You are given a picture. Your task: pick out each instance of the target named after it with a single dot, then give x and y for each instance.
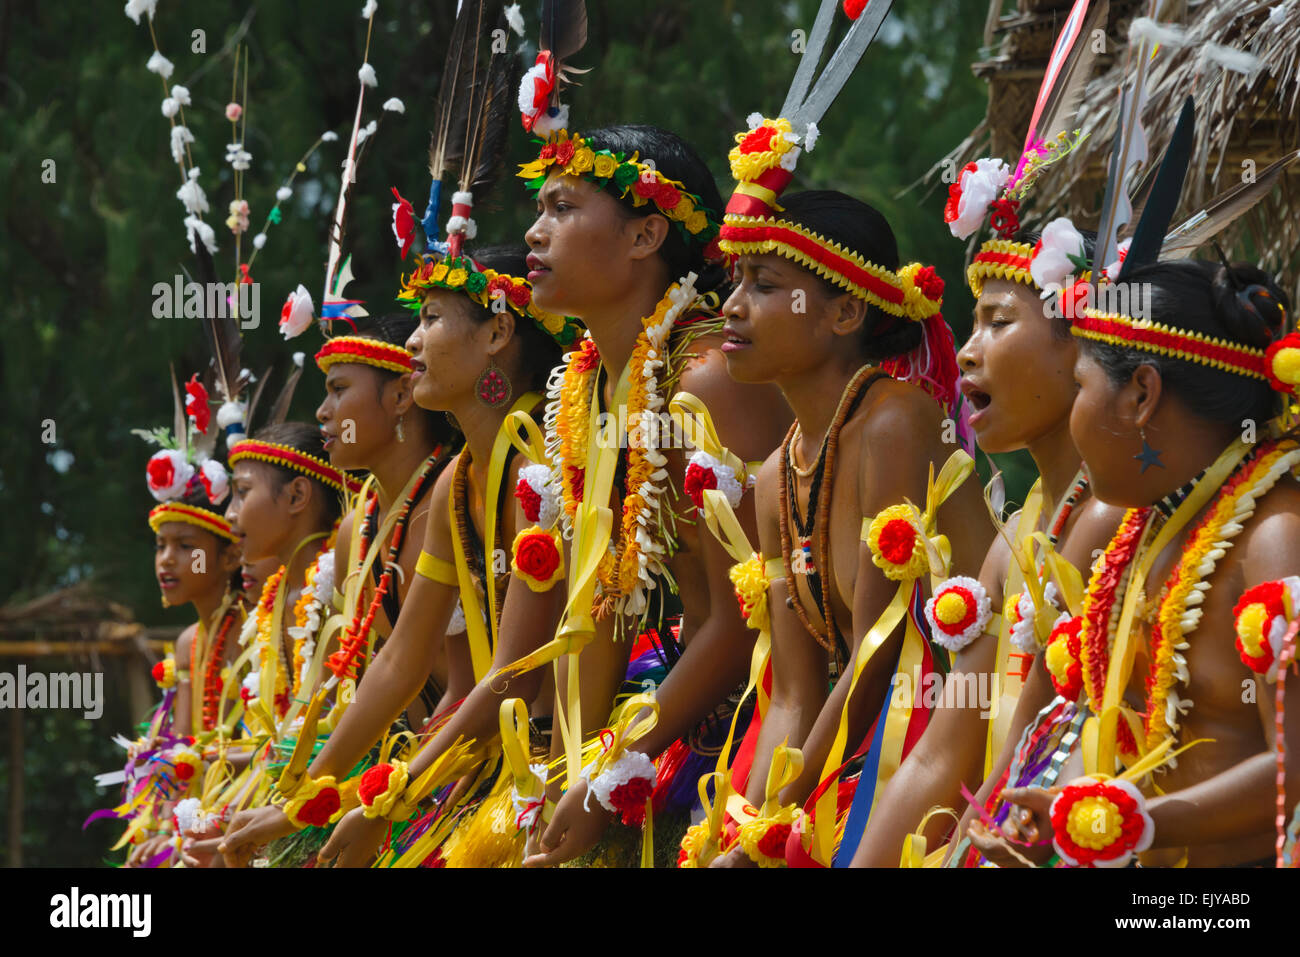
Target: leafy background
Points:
(80, 256)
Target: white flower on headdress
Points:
(259, 240)
(168, 474)
(136, 7)
(253, 680)
(515, 19)
(369, 9)
(180, 136)
(810, 138)
(215, 480)
(394, 105)
(329, 136)
(367, 75)
(973, 192)
(296, 315)
(232, 414)
(197, 229)
(365, 133)
(462, 224)
(1051, 265)
(191, 194)
(160, 64)
(1112, 271)
(283, 193)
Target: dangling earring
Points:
(1148, 456)
(493, 386)
(165, 602)
(401, 436)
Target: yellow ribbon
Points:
(697, 426)
(513, 719)
(914, 845)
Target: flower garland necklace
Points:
(213, 657)
(643, 543)
(317, 589)
(1233, 506)
(343, 662)
(262, 628)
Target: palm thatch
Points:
(1244, 121)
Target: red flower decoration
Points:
(1004, 217)
(1131, 828)
(403, 222)
(537, 556)
(520, 295)
(245, 695)
(1281, 375)
(543, 87)
(196, 404)
(698, 481)
(646, 187)
(564, 153)
(245, 278)
(1067, 675)
(499, 285)
(318, 811)
(897, 540)
(161, 472)
(587, 359)
(529, 500)
(669, 197)
(578, 479)
(548, 151)
(629, 798)
(1076, 299)
(374, 782)
(929, 282)
(159, 671)
(184, 771)
(853, 8)
(773, 841)
(758, 140)
(950, 209)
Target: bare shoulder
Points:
(750, 419)
(343, 540)
(1269, 547)
(898, 411)
(184, 641)
(1090, 533)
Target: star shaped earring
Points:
(1148, 456)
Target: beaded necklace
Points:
(479, 560)
(213, 657)
(343, 662)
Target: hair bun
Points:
(1251, 307)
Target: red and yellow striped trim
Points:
(160, 515)
(291, 458)
(1125, 331)
(371, 352)
(757, 236)
(1000, 259)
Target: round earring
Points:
(493, 386)
(401, 435)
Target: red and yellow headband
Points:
(201, 518)
(290, 458)
(762, 162)
(1000, 259)
(1120, 330)
(371, 352)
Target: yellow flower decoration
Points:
(384, 802)
(1094, 822)
(603, 165)
(440, 272)
(750, 581)
(316, 802)
(896, 546)
(750, 165)
(457, 277)
(696, 222)
(693, 842)
(583, 160)
(538, 558)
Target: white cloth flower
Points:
(216, 482)
(365, 133)
(549, 122)
(1051, 265)
(191, 194)
(632, 765)
(237, 156)
(538, 478)
(180, 136)
(515, 19)
(168, 474)
(181, 95)
(296, 315)
(324, 581)
(189, 814)
(170, 107)
(253, 680)
(528, 810)
(810, 138)
(977, 188)
(724, 476)
(394, 105)
(367, 75)
(457, 624)
(958, 612)
(161, 65)
(196, 230)
(136, 7)
(1023, 634)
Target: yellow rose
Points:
(457, 278)
(696, 222)
(684, 209)
(439, 272)
(582, 161)
(604, 165)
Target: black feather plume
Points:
(1168, 187)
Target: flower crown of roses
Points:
(763, 163)
(484, 286)
(623, 175)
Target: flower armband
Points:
(1262, 618)
(538, 558)
(704, 472)
(381, 791)
(164, 673)
(624, 786)
(316, 803)
(186, 764)
(532, 809)
(958, 612)
(1100, 823)
(1024, 634)
(749, 578)
(764, 838)
(538, 495)
(896, 544)
(1063, 658)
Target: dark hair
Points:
(305, 439)
(540, 352)
(678, 160)
(864, 230)
(1030, 237)
(395, 328)
(196, 496)
(1240, 303)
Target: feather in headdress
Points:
(1165, 191)
(1203, 225)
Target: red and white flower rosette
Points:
(297, 313)
(1052, 266)
(168, 475)
(624, 786)
(1064, 666)
(1282, 364)
(215, 479)
(537, 495)
(978, 185)
(538, 558)
(704, 472)
(381, 788)
(958, 612)
(528, 808)
(1100, 823)
(316, 803)
(1023, 634)
(1262, 618)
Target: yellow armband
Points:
(436, 569)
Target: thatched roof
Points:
(1239, 117)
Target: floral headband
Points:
(190, 515)
(621, 175)
(484, 286)
(287, 457)
(371, 352)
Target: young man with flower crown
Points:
(1177, 752)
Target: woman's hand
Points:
(573, 831)
(736, 857)
(355, 841)
(248, 831)
(148, 849)
(1025, 839)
